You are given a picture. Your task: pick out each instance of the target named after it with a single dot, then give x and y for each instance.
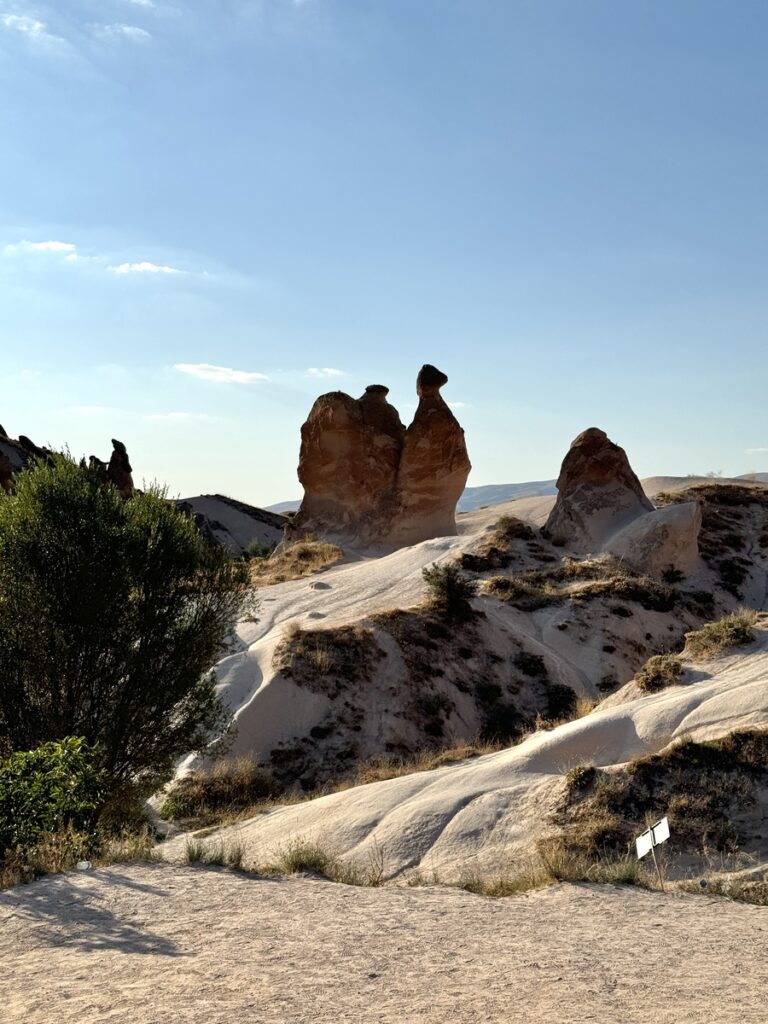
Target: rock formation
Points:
(119, 470)
(6, 473)
(598, 494)
(434, 466)
(665, 537)
(368, 480)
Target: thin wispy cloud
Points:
(144, 267)
(755, 451)
(118, 30)
(220, 374)
(26, 26)
(324, 372)
(49, 246)
(459, 405)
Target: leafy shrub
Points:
(257, 550)
(112, 613)
(58, 785)
(659, 672)
(450, 590)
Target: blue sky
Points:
(212, 211)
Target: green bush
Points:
(450, 591)
(58, 785)
(112, 613)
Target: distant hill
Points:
(496, 494)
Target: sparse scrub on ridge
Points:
(702, 788)
(328, 660)
(497, 550)
(580, 777)
(729, 512)
(225, 790)
(659, 672)
(735, 630)
(450, 591)
(293, 560)
(581, 581)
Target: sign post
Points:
(649, 840)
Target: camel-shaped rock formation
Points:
(369, 481)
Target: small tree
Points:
(450, 590)
(112, 614)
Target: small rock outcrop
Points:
(667, 537)
(598, 494)
(368, 480)
(119, 470)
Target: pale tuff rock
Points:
(598, 494)
(663, 538)
(368, 480)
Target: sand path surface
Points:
(149, 943)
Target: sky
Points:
(212, 211)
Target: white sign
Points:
(658, 833)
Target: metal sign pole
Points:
(656, 863)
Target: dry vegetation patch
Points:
(704, 788)
(294, 560)
(224, 791)
(659, 672)
(730, 513)
(582, 581)
(734, 630)
(328, 660)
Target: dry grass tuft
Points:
(731, 631)
(659, 672)
(61, 851)
(292, 561)
(221, 793)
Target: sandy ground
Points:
(147, 943)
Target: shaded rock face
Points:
(368, 480)
(6, 473)
(119, 470)
(598, 494)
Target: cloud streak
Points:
(219, 374)
(144, 267)
(324, 372)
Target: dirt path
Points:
(151, 943)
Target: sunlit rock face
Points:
(667, 537)
(369, 481)
(434, 466)
(598, 494)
